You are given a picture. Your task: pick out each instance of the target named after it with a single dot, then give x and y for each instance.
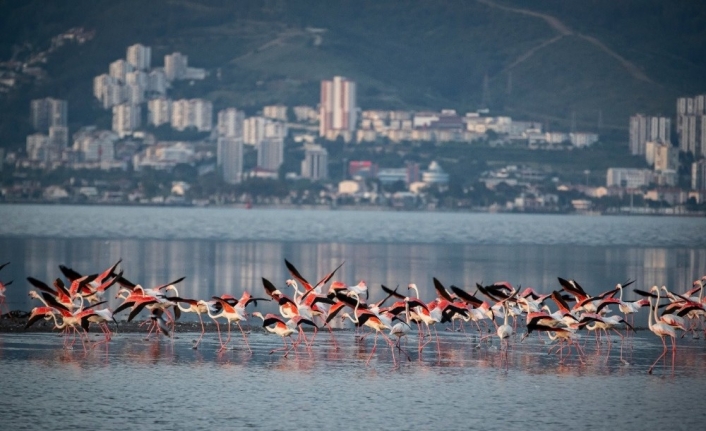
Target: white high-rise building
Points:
(254, 130)
(230, 158)
(119, 70)
(305, 113)
(275, 112)
(270, 153)
(337, 107)
(180, 114)
(126, 119)
(137, 77)
(48, 112)
(692, 134)
(229, 154)
(159, 111)
(134, 94)
(100, 82)
(662, 156)
(276, 129)
(691, 105)
(197, 113)
(230, 123)
(95, 145)
(139, 56)
(691, 124)
(38, 148)
(157, 82)
(628, 177)
(698, 175)
(644, 129)
(175, 66)
(59, 137)
(113, 94)
(202, 114)
(315, 163)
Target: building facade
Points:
(159, 111)
(315, 163)
(230, 159)
(196, 113)
(645, 128)
(270, 153)
(231, 123)
(698, 175)
(175, 66)
(95, 145)
(139, 56)
(338, 108)
(275, 112)
(628, 177)
(48, 112)
(126, 119)
(662, 156)
(119, 70)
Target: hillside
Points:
(551, 61)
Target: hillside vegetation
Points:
(549, 60)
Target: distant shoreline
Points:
(479, 210)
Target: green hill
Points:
(551, 60)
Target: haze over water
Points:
(167, 386)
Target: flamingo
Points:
(504, 332)
(60, 293)
(101, 318)
(568, 336)
(44, 312)
(365, 317)
(661, 330)
(429, 316)
(91, 287)
(138, 299)
(194, 306)
(276, 325)
(674, 320)
(307, 286)
(402, 329)
(231, 314)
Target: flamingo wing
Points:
(270, 288)
(441, 290)
(467, 297)
(41, 286)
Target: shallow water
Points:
(157, 385)
(163, 385)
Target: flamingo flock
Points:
(490, 311)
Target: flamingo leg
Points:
(659, 357)
(203, 330)
(286, 348)
(401, 350)
(438, 345)
(674, 352)
(333, 339)
(375, 344)
(225, 345)
(218, 328)
(245, 337)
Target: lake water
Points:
(167, 385)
